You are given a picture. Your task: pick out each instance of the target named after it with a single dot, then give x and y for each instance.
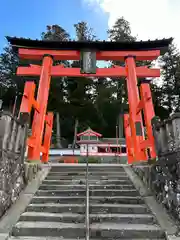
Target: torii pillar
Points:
(135, 119)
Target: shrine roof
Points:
(94, 45)
(89, 132)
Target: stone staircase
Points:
(57, 211)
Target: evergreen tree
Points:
(55, 33)
(170, 65)
(84, 32)
(120, 32)
(11, 85)
(57, 95)
(78, 88)
(57, 89)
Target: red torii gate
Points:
(49, 51)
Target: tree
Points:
(10, 84)
(157, 97)
(105, 105)
(120, 32)
(69, 96)
(78, 88)
(57, 95)
(84, 32)
(55, 33)
(170, 65)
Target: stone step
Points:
(79, 168)
(97, 230)
(90, 174)
(94, 208)
(104, 192)
(53, 217)
(71, 173)
(49, 229)
(59, 177)
(92, 181)
(112, 230)
(80, 187)
(83, 179)
(57, 210)
(81, 199)
(59, 238)
(93, 218)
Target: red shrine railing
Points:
(137, 145)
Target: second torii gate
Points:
(88, 53)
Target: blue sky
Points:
(28, 18)
(149, 19)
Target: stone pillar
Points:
(156, 124)
(20, 139)
(176, 129)
(5, 130)
(121, 128)
(58, 131)
(13, 135)
(170, 135)
(1, 103)
(163, 138)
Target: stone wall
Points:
(162, 176)
(13, 173)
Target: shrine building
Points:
(93, 144)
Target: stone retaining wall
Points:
(163, 176)
(163, 184)
(14, 173)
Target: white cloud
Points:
(149, 19)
